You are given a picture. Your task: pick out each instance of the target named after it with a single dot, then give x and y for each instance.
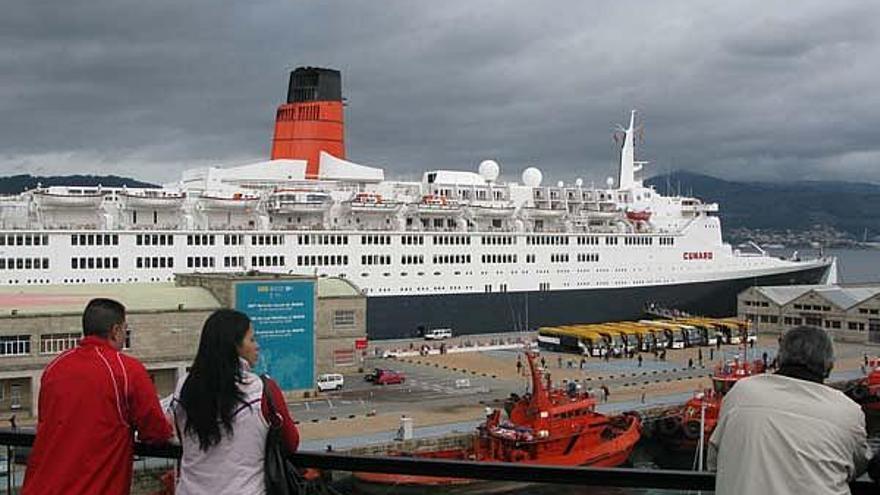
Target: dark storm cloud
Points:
(765, 90)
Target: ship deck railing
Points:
(13, 441)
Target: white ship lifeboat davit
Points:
(366, 202)
(152, 200)
(286, 201)
(68, 198)
(232, 202)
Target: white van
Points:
(438, 334)
(330, 381)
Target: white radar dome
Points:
(610, 182)
(579, 182)
(489, 170)
(560, 184)
(532, 177)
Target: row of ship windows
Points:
(24, 240)
(91, 263)
(24, 263)
(412, 259)
(503, 240)
(325, 260)
(446, 259)
(94, 240)
(155, 240)
(154, 262)
(324, 239)
(638, 241)
(376, 259)
(498, 258)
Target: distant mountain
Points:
(18, 183)
(796, 205)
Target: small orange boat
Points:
(549, 426)
(680, 430)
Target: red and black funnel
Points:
(312, 119)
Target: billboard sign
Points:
(283, 315)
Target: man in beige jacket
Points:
(788, 432)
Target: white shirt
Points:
(783, 435)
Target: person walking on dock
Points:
(519, 366)
(700, 356)
(787, 432)
(712, 352)
(640, 360)
(605, 393)
(690, 363)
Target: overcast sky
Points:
(744, 89)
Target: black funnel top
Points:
(314, 84)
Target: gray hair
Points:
(806, 346)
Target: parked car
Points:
(385, 377)
(438, 334)
(330, 381)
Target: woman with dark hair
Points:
(221, 415)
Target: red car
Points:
(385, 377)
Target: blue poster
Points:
(283, 316)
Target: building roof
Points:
(57, 299)
(336, 287)
(844, 297)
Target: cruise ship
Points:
(460, 249)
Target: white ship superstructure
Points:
(457, 248)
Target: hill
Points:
(796, 205)
(18, 183)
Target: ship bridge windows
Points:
(92, 263)
(412, 240)
(261, 261)
(154, 262)
(266, 240)
(375, 240)
(412, 259)
(559, 258)
(154, 240)
(94, 240)
(24, 263)
(322, 260)
(200, 240)
(499, 240)
(588, 257)
(611, 240)
(667, 241)
(233, 239)
(200, 262)
(588, 240)
(547, 240)
(233, 261)
(376, 259)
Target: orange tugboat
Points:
(549, 426)
(680, 430)
(867, 391)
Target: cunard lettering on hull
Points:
(527, 251)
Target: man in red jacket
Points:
(93, 399)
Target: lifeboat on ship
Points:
(151, 199)
(542, 213)
(548, 426)
(64, 197)
(437, 205)
(680, 429)
(866, 392)
(491, 210)
(372, 203)
(287, 201)
(237, 201)
(638, 215)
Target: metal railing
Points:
(494, 471)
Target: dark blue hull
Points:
(406, 316)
